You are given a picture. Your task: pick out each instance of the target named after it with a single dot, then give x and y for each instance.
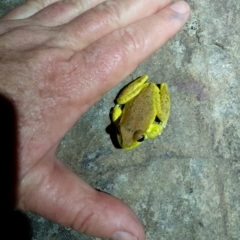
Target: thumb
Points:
(54, 192)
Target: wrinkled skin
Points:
(57, 58)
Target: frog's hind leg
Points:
(132, 90)
(163, 104)
(154, 130)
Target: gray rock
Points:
(184, 184)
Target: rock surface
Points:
(184, 184)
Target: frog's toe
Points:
(154, 130)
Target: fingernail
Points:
(123, 236)
(180, 7)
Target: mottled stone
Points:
(6, 5)
(184, 184)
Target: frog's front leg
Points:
(154, 130)
(116, 113)
(163, 104)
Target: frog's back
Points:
(140, 112)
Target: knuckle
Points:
(132, 39)
(77, 4)
(111, 9)
(85, 221)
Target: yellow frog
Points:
(141, 112)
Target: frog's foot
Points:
(163, 104)
(116, 113)
(132, 90)
(154, 130)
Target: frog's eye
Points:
(138, 136)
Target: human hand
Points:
(57, 58)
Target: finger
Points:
(115, 56)
(56, 193)
(103, 19)
(63, 11)
(27, 9)
(52, 15)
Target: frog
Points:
(141, 112)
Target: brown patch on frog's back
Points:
(140, 110)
